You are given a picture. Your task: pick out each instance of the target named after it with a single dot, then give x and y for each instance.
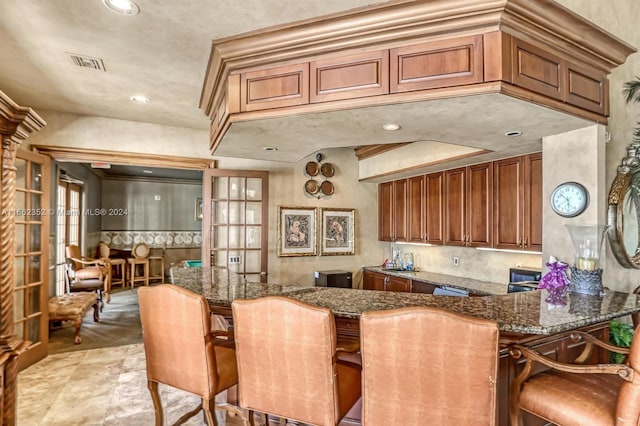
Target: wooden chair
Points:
(115, 265)
(287, 364)
(83, 274)
(160, 260)
(140, 253)
(578, 394)
(181, 352)
(427, 366)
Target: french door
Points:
(68, 207)
(31, 290)
(235, 222)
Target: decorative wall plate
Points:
(311, 168)
(327, 170)
(311, 186)
(327, 188)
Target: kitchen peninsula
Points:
(524, 317)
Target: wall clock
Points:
(569, 199)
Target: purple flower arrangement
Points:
(555, 282)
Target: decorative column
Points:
(16, 124)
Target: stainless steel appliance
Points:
(521, 279)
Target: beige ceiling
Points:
(163, 52)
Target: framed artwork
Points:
(297, 231)
(198, 208)
(338, 232)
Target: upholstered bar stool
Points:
(287, 364)
(140, 253)
(578, 394)
(115, 265)
(182, 352)
(427, 366)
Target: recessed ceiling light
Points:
(122, 7)
(139, 99)
(269, 148)
(391, 126)
(149, 172)
(513, 133)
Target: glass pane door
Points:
(31, 255)
(235, 227)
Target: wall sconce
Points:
(315, 188)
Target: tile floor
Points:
(106, 386)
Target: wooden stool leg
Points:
(96, 312)
(146, 274)
(77, 323)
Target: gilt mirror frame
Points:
(628, 172)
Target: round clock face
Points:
(569, 199)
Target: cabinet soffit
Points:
(543, 24)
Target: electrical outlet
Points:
(234, 260)
(456, 261)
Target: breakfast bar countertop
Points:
(524, 312)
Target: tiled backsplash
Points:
(125, 240)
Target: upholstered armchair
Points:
(84, 274)
(578, 394)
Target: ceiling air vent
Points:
(87, 62)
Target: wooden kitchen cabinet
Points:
(383, 282)
(424, 208)
(422, 287)
(441, 63)
(373, 281)
(468, 206)
(398, 284)
(274, 87)
(517, 206)
(416, 209)
(433, 207)
(392, 211)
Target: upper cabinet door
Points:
(400, 210)
(480, 205)
(434, 64)
(433, 207)
(348, 77)
(274, 87)
(455, 199)
(416, 209)
(533, 202)
(385, 211)
(508, 209)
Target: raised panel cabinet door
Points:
(480, 205)
(537, 69)
(533, 202)
(434, 64)
(385, 211)
(433, 207)
(373, 281)
(588, 89)
(400, 210)
(455, 199)
(422, 287)
(398, 284)
(348, 77)
(508, 200)
(274, 87)
(415, 209)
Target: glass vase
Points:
(586, 274)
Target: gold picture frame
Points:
(297, 231)
(337, 232)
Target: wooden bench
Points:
(72, 307)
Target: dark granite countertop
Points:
(474, 286)
(525, 312)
